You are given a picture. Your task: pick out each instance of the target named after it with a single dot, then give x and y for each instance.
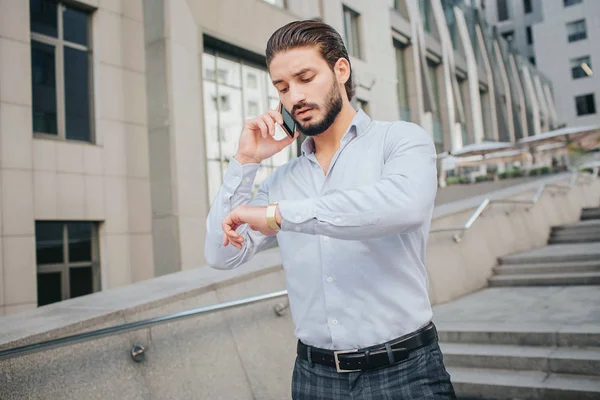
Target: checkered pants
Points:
(421, 376)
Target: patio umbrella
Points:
(481, 149)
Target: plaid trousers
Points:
(421, 376)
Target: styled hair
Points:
(309, 33)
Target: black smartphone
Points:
(289, 125)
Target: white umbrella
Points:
(481, 149)
(569, 134)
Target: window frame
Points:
(593, 104)
(573, 38)
(59, 44)
(527, 6)
(529, 35)
(589, 64)
(505, 8)
(352, 19)
(65, 267)
(569, 3)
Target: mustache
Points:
(303, 105)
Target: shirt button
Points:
(326, 239)
(329, 279)
(298, 218)
(337, 220)
(298, 229)
(246, 180)
(334, 321)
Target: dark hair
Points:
(311, 33)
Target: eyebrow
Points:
(301, 72)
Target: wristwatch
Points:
(271, 209)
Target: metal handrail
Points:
(137, 351)
(457, 237)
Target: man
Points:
(351, 216)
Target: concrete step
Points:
(590, 213)
(563, 360)
(555, 253)
(486, 383)
(574, 239)
(561, 279)
(522, 334)
(548, 268)
(571, 234)
(581, 226)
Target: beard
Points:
(332, 108)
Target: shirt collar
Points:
(358, 126)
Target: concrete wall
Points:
(106, 181)
(247, 352)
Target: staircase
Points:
(538, 358)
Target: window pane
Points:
(527, 6)
(79, 235)
(585, 104)
(210, 120)
(77, 107)
(75, 26)
(80, 281)
(208, 66)
(228, 71)
(255, 90)
(502, 10)
(576, 30)
(581, 67)
(402, 86)
(49, 288)
(43, 85)
(43, 17)
(49, 242)
(230, 119)
(571, 2)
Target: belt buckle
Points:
(337, 360)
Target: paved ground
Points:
(459, 192)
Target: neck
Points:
(328, 142)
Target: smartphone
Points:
(289, 125)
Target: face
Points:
(308, 88)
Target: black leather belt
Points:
(370, 357)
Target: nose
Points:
(296, 95)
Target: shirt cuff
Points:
(239, 176)
(298, 215)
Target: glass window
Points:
(67, 260)
(401, 86)
(502, 10)
(237, 91)
(43, 86)
(568, 3)
(585, 104)
(77, 93)
(581, 67)
(529, 34)
(75, 25)
(64, 33)
(532, 60)
(49, 288)
(508, 36)
(425, 9)
(49, 242)
(43, 17)
(437, 124)
(527, 6)
(352, 32)
(576, 30)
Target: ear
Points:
(342, 70)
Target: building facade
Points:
(557, 35)
(118, 118)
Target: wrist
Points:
(245, 160)
(278, 216)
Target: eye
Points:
(306, 80)
(284, 90)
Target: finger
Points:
(276, 116)
(264, 130)
(225, 240)
(270, 123)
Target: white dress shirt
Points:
(352, 241)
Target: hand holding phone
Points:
(257, 140)
(289, 125)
